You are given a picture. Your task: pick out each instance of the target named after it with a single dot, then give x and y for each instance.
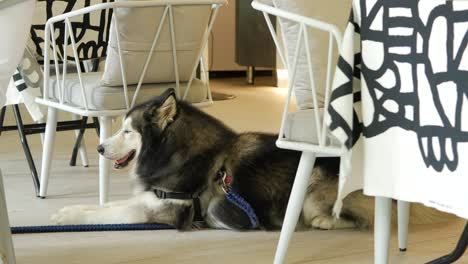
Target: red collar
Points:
(226, 181)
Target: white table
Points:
(399, 103)
(7, 254)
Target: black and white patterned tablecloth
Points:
(91, 32)
(400, 102)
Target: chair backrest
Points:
(135, 30)
(139, 32)
(302, 43)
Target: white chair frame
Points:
(324, 148)
(106, 116)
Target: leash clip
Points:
(236, 199)
(226, 182)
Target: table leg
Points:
(7, 254)
(403, 221)
(2, 118)
(383, 215)
(26, 149)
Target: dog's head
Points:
(154, 116)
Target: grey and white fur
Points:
(172, 146)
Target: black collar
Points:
(175, 195)
(195, 197)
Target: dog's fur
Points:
(172, 146)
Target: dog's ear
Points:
(168, 110)
(164, 111)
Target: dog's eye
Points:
(127, 131)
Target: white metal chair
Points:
(315, 140)
(76, 93)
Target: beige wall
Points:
(223, 40)
(223, 37)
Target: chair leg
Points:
(96, 125)
(2, 118)
(383, 215)
(79, 144)
(26, 149)
(7, 253)
(41, 121)
(47, 150)
(104, 164)
(403, 221)
(295, 204)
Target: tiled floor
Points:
(255, 108)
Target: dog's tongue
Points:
(122, 160)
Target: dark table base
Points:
(30, 129)
(457, 252)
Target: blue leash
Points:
(238, 201)
(232, 196)
(87, 228)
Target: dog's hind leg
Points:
(328, 222)
(317, 208)
(224, 215)
(317, 214)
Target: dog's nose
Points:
(100, 149)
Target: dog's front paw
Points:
(71, 215)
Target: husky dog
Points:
(172, 147)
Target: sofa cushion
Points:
(318, 41)
(300, 126)
(112, 98)
(137, 28)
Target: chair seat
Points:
(112, 97)
(300, 127)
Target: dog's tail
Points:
(420, 214)
(363, 207)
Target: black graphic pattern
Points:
(91, 38)
(346, 89)
(412, 88)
